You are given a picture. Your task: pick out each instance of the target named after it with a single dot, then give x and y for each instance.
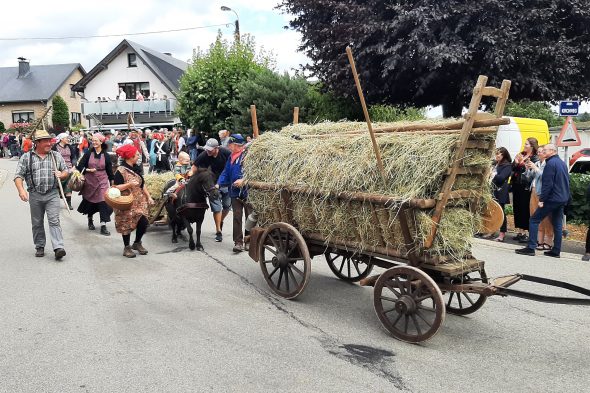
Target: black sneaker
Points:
(518, 236)
(525, 251)
(523, 239)
(104, 231)
(586, 257)
(39, 252)
(218, 237)
(91, 226)
(59, 254)
(551, 254)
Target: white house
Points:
(132, 68)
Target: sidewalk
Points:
(567, 246)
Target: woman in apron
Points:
(98, 172)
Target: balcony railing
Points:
(148, 107)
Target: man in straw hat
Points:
(38, 169)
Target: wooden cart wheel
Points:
(349, 267)
(284, 260)
(460, 303)
(409, 304)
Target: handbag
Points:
(76, 182)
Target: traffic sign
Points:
(568, 108)
(569, 134)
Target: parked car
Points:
(578, 154)
(582, 165)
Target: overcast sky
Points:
(60, 18)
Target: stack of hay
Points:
(415, 165)
(155, 183)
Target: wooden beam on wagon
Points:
(296, 115)
(366, 112)
(346, 195)
(380, 132)
(255, 131)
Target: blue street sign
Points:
(568, 108)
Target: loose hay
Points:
(155, 183)
(414, 165)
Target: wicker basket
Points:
(123, 202)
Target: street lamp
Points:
(237, 32)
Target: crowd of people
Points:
(539, 182)
(50, 157)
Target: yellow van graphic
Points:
(512, 136)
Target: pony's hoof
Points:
(174, 240)
(200, 247)
(191, 245)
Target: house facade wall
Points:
(106, 83)
(7, 109)
(74, 103)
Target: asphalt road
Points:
(186, 321)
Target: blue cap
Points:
(237, 139)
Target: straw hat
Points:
(39, 135)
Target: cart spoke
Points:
(392, 289)
(274, 242)
(280, 279)
(273, 272)
(270, 250)
(415, 321)
(406, 323)
(297, 270)
(469, 299)
(341, 266)
(418, 313)
(296, 259)
(431, 309)
(292, 276)
(267, 261)
(399, 285)
(459, 299)
(348, 263)
(388, 311)
(450, 299)
(287, 280)
(389, 299)
(399, 316)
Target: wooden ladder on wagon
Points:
(479, 91)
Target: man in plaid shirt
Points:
(37, 168)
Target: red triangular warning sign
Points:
(569, 134)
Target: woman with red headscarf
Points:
(98, 172)
(129, 181)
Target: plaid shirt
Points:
(42, 179)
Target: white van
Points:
(513, 136)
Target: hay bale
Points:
(415, 167)
(155, 183)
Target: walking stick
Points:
(61, 190)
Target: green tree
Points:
(325, 105)
(275, 96)
(2, 128)
(61, 114)
(209, 85)
(430, 52)
(390, 113)
(534, 110)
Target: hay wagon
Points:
(419, 285)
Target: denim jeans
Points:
(555, 210)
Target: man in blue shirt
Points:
(555, 194)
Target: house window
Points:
(23, 117)
(132, 88)
(76, 118)
(132, 59)
(72, 92)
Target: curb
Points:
(508, 247)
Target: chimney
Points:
(24, 68)
(168, 53)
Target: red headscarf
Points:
(126, 151)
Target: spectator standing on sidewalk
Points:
(521, 188)
(500, 175)
(39, 170)
(555, 194)
(232, 177)
(535, 172)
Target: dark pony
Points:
(190, 206)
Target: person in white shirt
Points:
(122, 95)
(153, 96)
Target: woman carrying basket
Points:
(98, 174)
(129, 181)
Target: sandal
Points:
(540, 246)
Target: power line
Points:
(111, 35)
